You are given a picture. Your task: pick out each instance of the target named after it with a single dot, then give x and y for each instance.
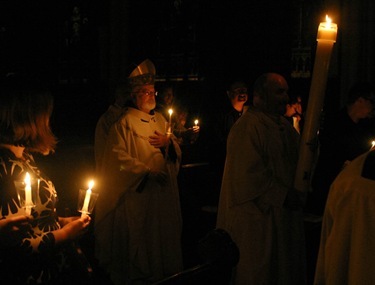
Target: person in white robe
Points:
(107, 119)
(258, 205)
(347, 246)
(138, 217)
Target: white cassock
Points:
(138, 221)
(259, 171)
(347, 246)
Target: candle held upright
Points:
(169, 131)
(28, 195)
(86, 202)
(327, 33)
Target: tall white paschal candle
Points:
(86, 202)
(28, 196)
(327, 33)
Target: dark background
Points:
(83, 47)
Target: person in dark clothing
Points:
(223, 120)
(344, 136)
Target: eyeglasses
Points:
(239, 91)
(147, 93)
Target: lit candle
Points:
(372, 145)
(28, 197)
(326, 37)
(170, 111)
(85, 208)
(196, 123)
(327, 31)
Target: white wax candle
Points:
(170, 111)
(326, 38)
(28, 197)
(327, 31)
(86, 202)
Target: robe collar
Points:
(143, 117)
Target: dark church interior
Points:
(83, 47)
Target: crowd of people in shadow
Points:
(246, 223)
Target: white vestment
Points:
(259, 171)
(347, 246)
(138, 221)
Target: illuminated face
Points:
(238, 93)
(144, 98)
(294, 108)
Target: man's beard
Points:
(149, 106)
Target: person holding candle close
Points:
(178, 118)
(138, 218)
(258, 205)
(33, 249)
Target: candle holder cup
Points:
(91, 203)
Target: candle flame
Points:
(27, 178)
(91, 184)
(372, 144)
(196, 122)
(170, 111)
(328, 22)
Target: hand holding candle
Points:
(196, 127)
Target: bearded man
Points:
(138, 218)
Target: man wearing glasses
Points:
(138, 219)
(223, 120)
